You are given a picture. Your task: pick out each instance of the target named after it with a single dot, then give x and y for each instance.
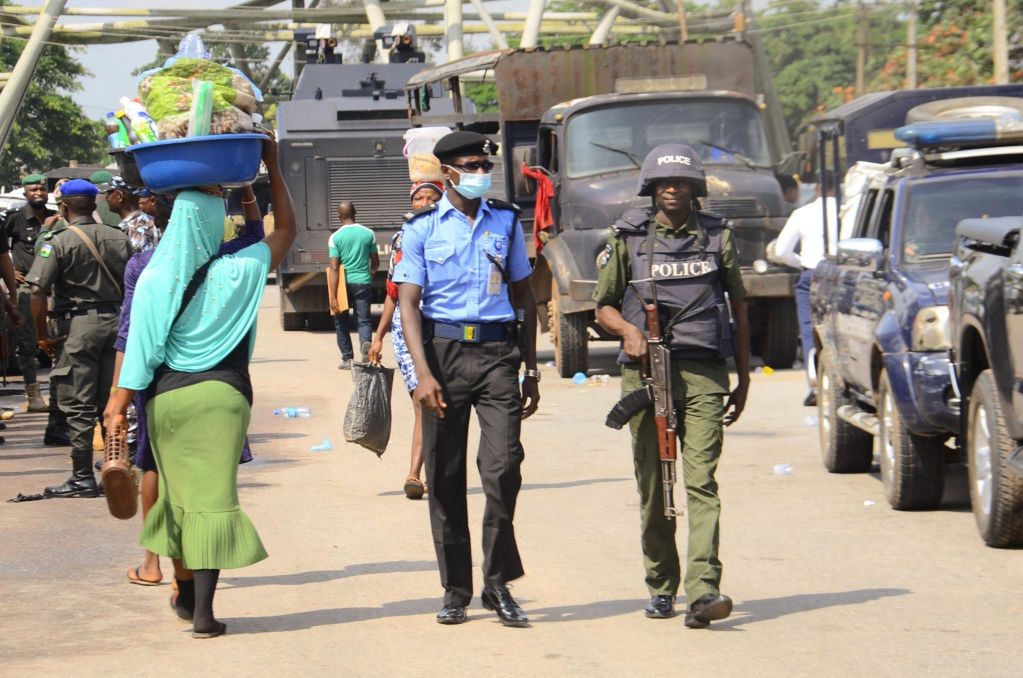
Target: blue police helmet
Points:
(672, 161)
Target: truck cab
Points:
(880, 315)
(585, 117)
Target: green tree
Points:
(812, 49)
(50, 128)
(954, 45)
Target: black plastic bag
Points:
(368, 418)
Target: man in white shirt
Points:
(805, 229)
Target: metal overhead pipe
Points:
(376, 18)
(633, 9)
(495, 34)
(607, 22)
(14, 91)
(531, 32)
(453, 29)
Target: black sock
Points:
(186, 597)
(205, 588)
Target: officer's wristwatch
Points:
(535, 374)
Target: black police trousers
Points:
(485, 377)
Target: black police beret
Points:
(460, 144)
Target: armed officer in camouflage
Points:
(686, 260)
(83, 264)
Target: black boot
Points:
(82, 482)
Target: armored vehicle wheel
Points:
(569, 334)
(293, 322)
(996, 495)
(844, 448)
(781, 335)
(912, 466)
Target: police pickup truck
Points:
(986, 327)
(880, 313)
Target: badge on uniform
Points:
(604, 257)
(45, 250)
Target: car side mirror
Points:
(863, 254)
(523, 155)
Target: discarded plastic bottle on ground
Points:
(599, 379)
(294, 412)
(783, 469)
(579, 378)
(325, 446)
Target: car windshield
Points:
(617, 138)
(935, 207)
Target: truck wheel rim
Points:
(887, 444)
(983, 479)
(824, 398)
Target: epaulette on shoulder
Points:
(48, 235)
(409, 216)
(714, 220)
(633, 222)
(504, 205)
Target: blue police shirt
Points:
(447, 256)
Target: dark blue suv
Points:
(880, 316)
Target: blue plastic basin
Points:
(217, 159)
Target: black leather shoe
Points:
(56, 439)
(708, 608)
(499, 599)
(76, 486)
(661, 607)
(452, 614)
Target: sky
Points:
(111, 65)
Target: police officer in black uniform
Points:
(21, 232)
(685, 261)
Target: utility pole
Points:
(861, 50)
(911, 47)
(298, 55)
(531, 30)
(453, 29)
(14, 91)
(1001, 44)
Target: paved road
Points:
(827, 580)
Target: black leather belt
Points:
(470, 333)
(74, 313)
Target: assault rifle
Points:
(656, 390)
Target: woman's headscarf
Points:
(223, 311)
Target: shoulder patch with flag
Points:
(604, 257)
(45, 250)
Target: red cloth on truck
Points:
(543, 217)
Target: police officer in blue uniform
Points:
(686, 257)
(465, 259)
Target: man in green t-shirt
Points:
(354, 247)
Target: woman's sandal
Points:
(414, 488)
(137, 578)
(219, 629)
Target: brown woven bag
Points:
(118, 478)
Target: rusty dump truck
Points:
(586, 117)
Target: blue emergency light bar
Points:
(961, 132)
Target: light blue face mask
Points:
(472, 185)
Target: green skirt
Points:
(196, 433)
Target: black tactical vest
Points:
(689, 280)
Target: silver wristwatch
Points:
(535, 374)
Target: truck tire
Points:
(996, 496)
(964, 107)
(844, 448)
(569, 334)
(912, 466)
(293, 322)
(781, 334)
